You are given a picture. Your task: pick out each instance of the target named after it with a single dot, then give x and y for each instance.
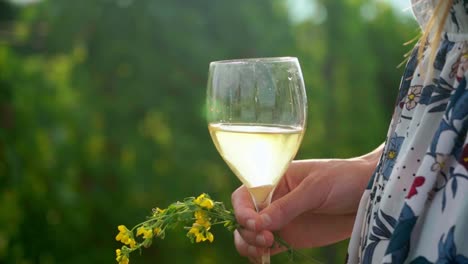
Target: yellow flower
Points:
(199, 238)
(202, 219)
(204, 201)
(207, 203)
(122, 259)
(156, 231)
(204, 223)
(200, 215)
(125, 236)
(140, 230)
(209, 236)
(200, 233)
(123, 233)
(131, 242)
(194, 230)
(147, 233)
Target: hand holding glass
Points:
(256, 118)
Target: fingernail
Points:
(260, 240)
(252, 250)
(251, 224)
(266, 220)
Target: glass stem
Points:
(260, 205)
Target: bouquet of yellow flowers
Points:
(201, 212)
(197, 215)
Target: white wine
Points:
(258, 155)
(261, 195)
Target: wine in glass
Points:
(256, 118)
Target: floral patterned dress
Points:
(415, 209)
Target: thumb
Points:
(310, 195)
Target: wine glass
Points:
(256, 118)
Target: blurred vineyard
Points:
(102, 112)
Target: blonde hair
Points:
(432, 33)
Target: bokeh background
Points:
(102, 111)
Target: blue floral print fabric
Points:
(415, 208)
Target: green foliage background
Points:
(102, 112)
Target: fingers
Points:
(244, 248)
(253, 250)
(257, 239)
(246, 215)
(244, 208)
(298, 194)
(250, 241)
